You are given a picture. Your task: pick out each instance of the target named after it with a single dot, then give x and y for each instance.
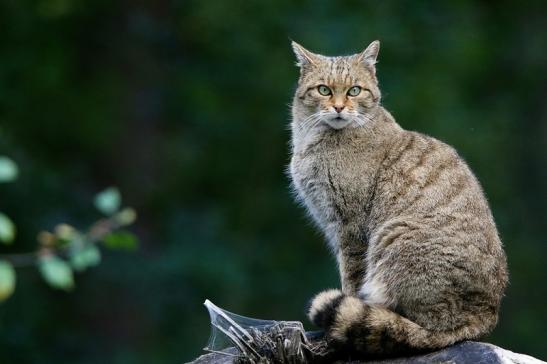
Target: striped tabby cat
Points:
(419, 256)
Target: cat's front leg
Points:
(351, 256)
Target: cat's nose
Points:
(339, 108)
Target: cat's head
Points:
(337, 92)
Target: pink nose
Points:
(338, 108)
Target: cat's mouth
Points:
(337, 122)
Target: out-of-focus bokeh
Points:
(184, 106)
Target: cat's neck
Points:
(375, 132)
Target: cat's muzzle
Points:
(338, 122)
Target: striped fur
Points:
(362, 329)
(420, 260)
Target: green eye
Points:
(324, 90)
(354, 91)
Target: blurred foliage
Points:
(65, 242)
(8, 169)
(183, 106)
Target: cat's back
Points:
(418, 162)
(430, 213)
(425, 179)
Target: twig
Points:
(94, 235)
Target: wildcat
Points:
(420, 260)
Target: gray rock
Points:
(466, 352)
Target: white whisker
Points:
(362, 119)
(311, 121)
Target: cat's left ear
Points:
(369, 55)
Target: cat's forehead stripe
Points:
(339, 71)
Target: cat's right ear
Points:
(304, 58)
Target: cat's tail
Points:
(357, 327)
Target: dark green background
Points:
(183, 105)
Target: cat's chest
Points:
(312, 172)
(333, 183)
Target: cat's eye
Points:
(354, 91)
(324, 90)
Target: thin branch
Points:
(94, 235)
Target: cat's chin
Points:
(338, 123)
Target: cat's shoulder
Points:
(419, 139)
(413, 143)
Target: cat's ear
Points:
(303, 56)
(369, 55)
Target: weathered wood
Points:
(255, 341)
(463, 353)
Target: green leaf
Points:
(108, 201)
(84, 257)
(56, 272)
(65, 232)
(7, 280)
(8, 169)
(122, 240)
(7, 229)
(126, 217)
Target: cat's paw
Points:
(322, 309)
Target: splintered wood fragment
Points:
(266, 341)
(221, 313)
(232, 338)
(222, 352)
(248, 345)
